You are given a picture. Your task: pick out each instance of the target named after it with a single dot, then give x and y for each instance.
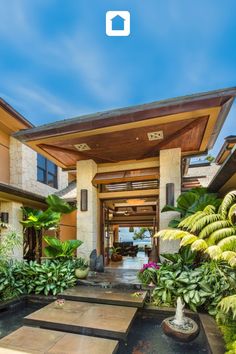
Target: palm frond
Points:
(228, 244)
(227, 202)
(199, 245)
(188, 240)
(216, 225)
(228, 305)
(218, 235)
(214, 252)
(205, 220)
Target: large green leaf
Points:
(57, 204)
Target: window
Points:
(46, 171)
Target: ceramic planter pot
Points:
(81, 273)
(116, 257)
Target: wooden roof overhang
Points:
(11, 193)
(226, 171)
(191, 123)
(230, 142)
(10, 120)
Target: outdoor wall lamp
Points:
(4, 217)
(83, 200)
(170, 194)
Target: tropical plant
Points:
(148, 274)
(60, 249)
(44, 220)
(184, 259)
(50, 277)
(143, 233)
(10, 284)
(80, 263)
(59, 205)
(200, 288)
(226, 319)
(209, 231)
(189, 202)
(11, 240)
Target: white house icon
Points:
(118, 23)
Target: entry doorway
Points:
(127, 227)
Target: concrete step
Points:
(44, 341)
(91, 319)
(110, 296)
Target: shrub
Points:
(201, 288)
(50, 277)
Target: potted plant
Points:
(115, 256)
(81, 268)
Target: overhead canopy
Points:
(191, 123)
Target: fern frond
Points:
(232, 262)
(220, 234)
(209, 209)
(228, 305)
(228, 200)
(171, 234)
(205, 220)
(188, 222)
(228, 255)
(188, 240)
(199, 245)
(232, 214)
(214, 252)
(228, 244)
(216, 225)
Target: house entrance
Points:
(127, 227)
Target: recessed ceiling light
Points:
(82, 147)
(155, 135)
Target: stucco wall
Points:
(23, 170)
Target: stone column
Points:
(87, 221)
(15, 216)
(170, 172)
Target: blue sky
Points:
(56, 61)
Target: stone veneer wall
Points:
(23, 170)
(170, 172)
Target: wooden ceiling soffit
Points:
(126, 176)
(154, 151)
(66, 156)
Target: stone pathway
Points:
(87, 318)
(105, 296)
(90, 315)
(43, 341)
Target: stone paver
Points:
(86, 318)
(42, 341)
(105, 296)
